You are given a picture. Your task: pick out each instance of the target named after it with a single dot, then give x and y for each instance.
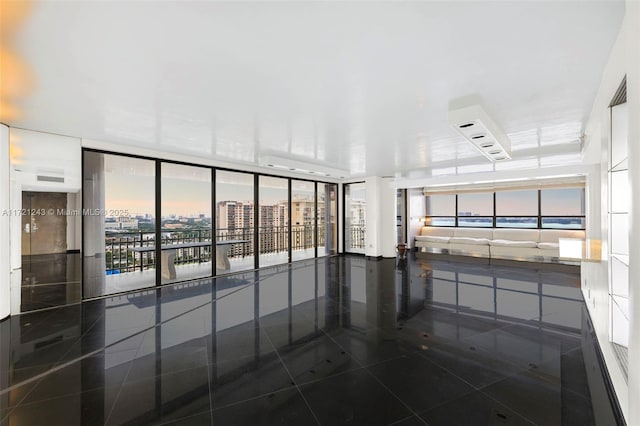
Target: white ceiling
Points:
(358, 86)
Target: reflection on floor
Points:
(341, 340)
(50, 280)
(99, 284)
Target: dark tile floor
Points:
(342, 340)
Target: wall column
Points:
(633, 103)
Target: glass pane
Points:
(563, 222)
(516, 222)
(517, 203)
(619, 234)
(441, 221)
(303, 219)
(119, 239)
(234, 222)
(441, 205)
(480, 204)
(619, 134)
(620, 192)
(327, 219)
(355, 218)
(562, 202)
(186, 222)
(619, 278)
(484, 222)
(273, 226)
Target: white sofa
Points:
(501, 243)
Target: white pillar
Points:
(633, 102)
(5, 247)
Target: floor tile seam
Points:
(553, 332)
(397, 422)
(173, 421)
(357, 361)
(330, 376)
(381, 383)
(293, 380)
(254, 398)
(448, 401)
(124, 380)
(163, 375)
(209, 385)
(51, 283)
(508, 406)
(40, 376)
(448, 371)
(376, 363)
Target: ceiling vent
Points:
(477, 127)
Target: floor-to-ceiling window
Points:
(118, 223)
(126, 249)
(234, 221)
(273, 220)
(355, 217)
(303, 219)
(186, 222)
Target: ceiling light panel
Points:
(479, 129)
(299, 166)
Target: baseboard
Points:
(75, 251)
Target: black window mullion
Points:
(256, 223)
(456, 217)
(214, 224)
(539, 208)
(315, 220)
(289, 226)
(494, 209)
(158, 227)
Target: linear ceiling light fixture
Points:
(477, 127)
(299, 166)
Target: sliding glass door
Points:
(118, 223)
(327, 214)
(355, 218)
(303, 219)
(186, 222)
(273, 220)
(234, 221)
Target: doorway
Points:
(50, 275)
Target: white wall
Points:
(5, 249)
(623, 60)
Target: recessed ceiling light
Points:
(469, 119)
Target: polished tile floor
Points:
(341, 340)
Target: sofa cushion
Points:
(553, 235)
(467, 240)
(432, 239)
(548, 246)
(516, 234)
(437, 231)
(510, 243)
(473, 233)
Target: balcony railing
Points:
(120, 258)
(355, 237)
